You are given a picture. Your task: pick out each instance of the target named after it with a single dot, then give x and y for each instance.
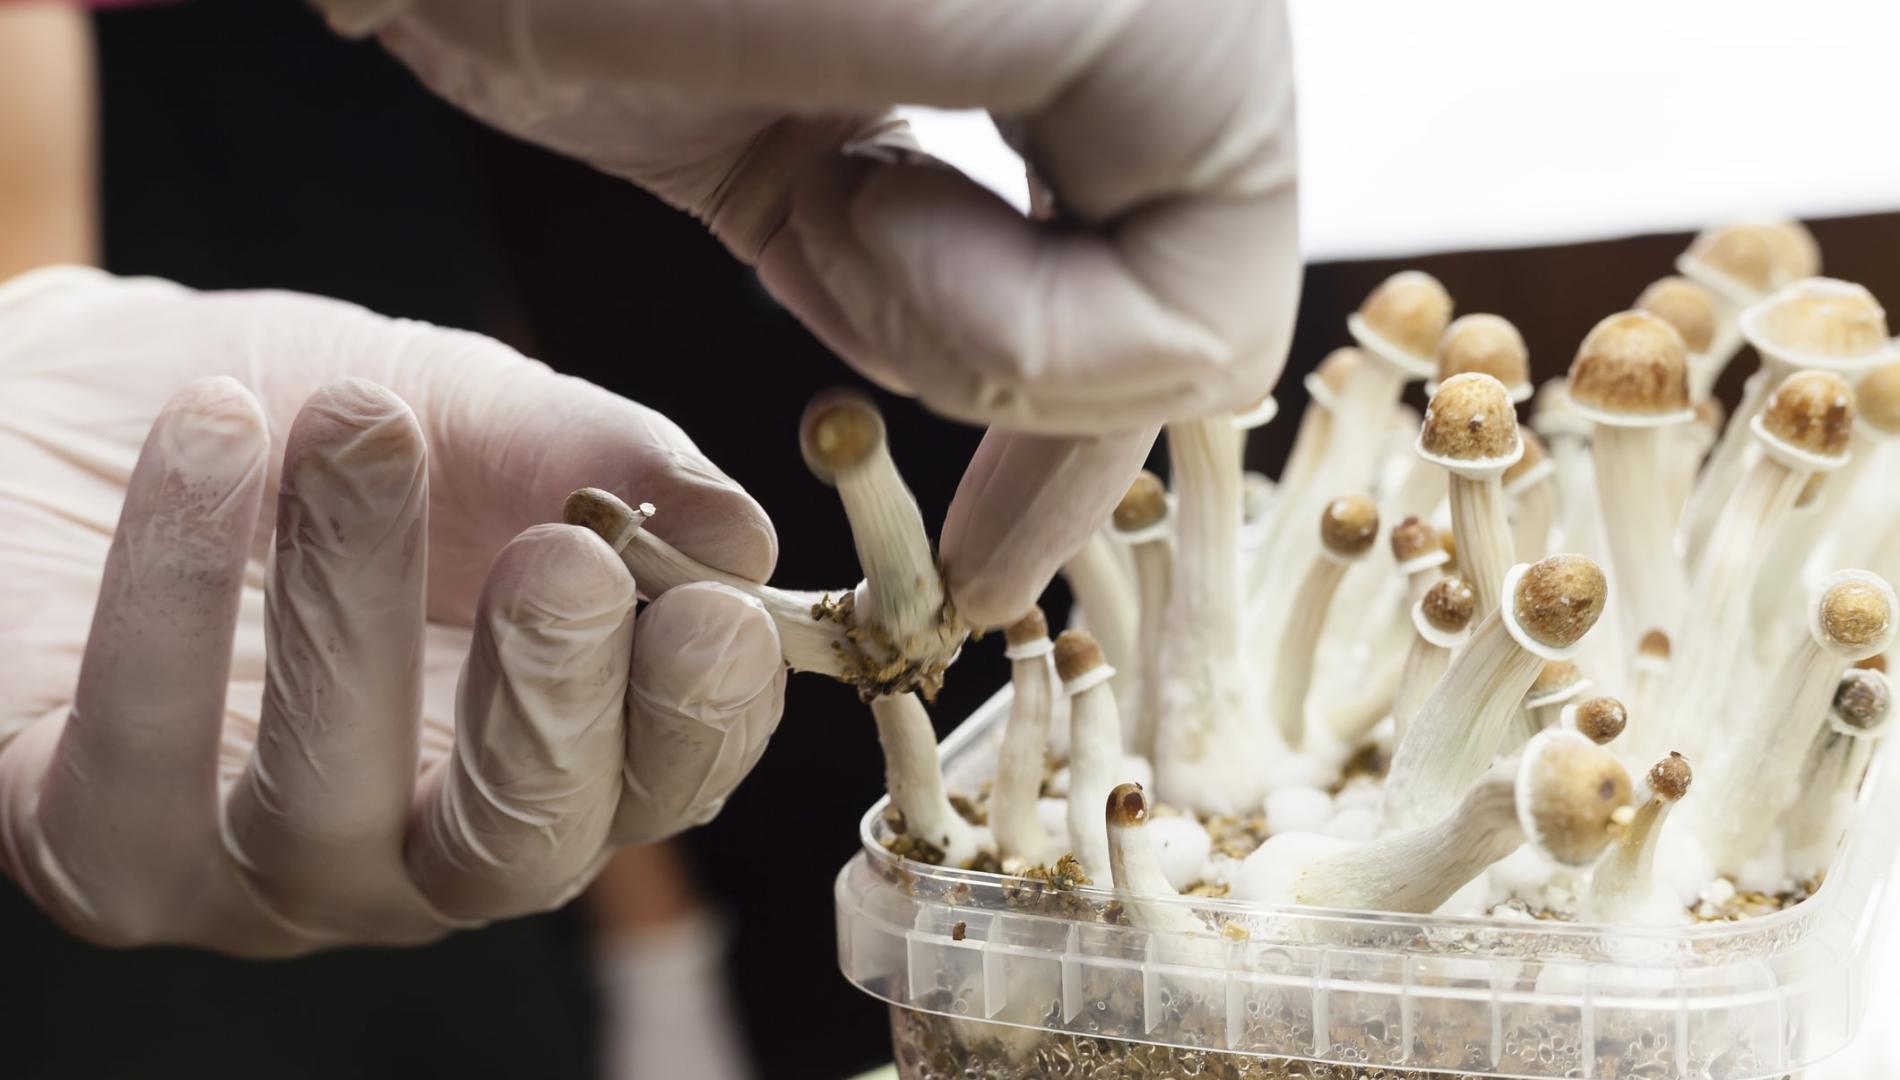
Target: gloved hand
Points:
(1164, 131)
(256, 739)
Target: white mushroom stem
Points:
(1360, 708)
(1095, 748)
(1137, 874)
(1293, 662)
(1425, 664)
(1154, 579)
(1651, 589)
(1296, 481)
(914, 778)
(1832, 773)
(1623, 888)
(1649, 680)
(811, 641)
(1533, 499)
(1685, 447)
(1101, 581)
(1727, 463)
(1778, 593)
(1757, 766)
(1021, 840)
(1483, 532)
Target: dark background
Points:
(244, 147)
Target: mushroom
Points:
(1832, 772)
(1398, 327)
(1324, 388)
(1804, 429)
(1420, 560)
(1021, 840)
(1691, 309)
(1137, 873)
(1557, 685)
(1095, 745)
(1456, 734)
(1470, 430)
(1530, 489)
(1101, 580)
(1486, 345)
(914, 778)
(1441, 622)
(1623, 888)
(1854, 615)
(1347, 528)
(1141, 523)
(1631, 379)
(1562, 795)
(1600, 719)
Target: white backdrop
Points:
(1431, 126)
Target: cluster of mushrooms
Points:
(1601, 665)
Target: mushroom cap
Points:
(1862, 699)
(601, 511)
(1127, 806)
(1876, 662)
(1670, 777)
(1470, 418)
(1654, 644)
(1487, 344)
(1601, 719)
(840, 430)
(1822, 317)
(1413, 538)
(1337, 369)
(1450, 604)
(1410, 309)
(1745, 252)
(1856, 614)
(1145, 504)
(1796, 253)
(1077, 654)
(1811, 411)
(1032, 626)
(1631, 364)
(1558, 599)
(1349, 525)
(1555, 675)
(1683, 304)
(1534, 455)
(1569, 791)
(1878, 399)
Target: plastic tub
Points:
(995, 977)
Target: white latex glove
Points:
(1164, 129)
(256, 739)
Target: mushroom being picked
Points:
(1623, 888)
(1831, 774)
(1562, 795)
(1757, 765)
(1021, 839)
(1457, 732)
(1631, 379)
(1470, 430)
(1348, 528)
(1804, 429)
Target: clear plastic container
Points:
(995, 977)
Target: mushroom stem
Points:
(1137, 872)
(1623, 888)
(1832, 772)
(1441, 621)
(1457, 731)
(914, 778)
(1421, 559)
(1534, 499)
(812, 632)
(1021, 840)
(1141, 524)
(1651, 589)
(1101, 581)
(1471, 431)
(1347, 529)
(1727, 463)
(1095, 746)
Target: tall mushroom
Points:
(1470, 431)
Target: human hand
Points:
(1165, 132)
(411, 707)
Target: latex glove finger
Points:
(1025, 505)
(707, 692)
(318, 816)
(517, 816)
(1184, 309)
(129, 804)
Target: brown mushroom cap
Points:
(1602, 719)
(1670, 777)
(839, 431)
(1413, 538)
(1746, 252)
(1349, 525)
(1336, 370)
(1876, 662)
(1796, 253)
(1823, 317)
(1145, 504)
(1077, 654)
(601, 511)
(1410, 309)
(1558, 599)
(1470, 418)
(1855, 614)
(1878, 398)
(1683, 304)
(1033, 626)
(1449, 605)
(1631, 364)
(1812, 411)
(1534, 455)
(1862, 699)
(1654, 644)
(1484, 343)
(1555, 675)
(1576, 788)
(1127, 806)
